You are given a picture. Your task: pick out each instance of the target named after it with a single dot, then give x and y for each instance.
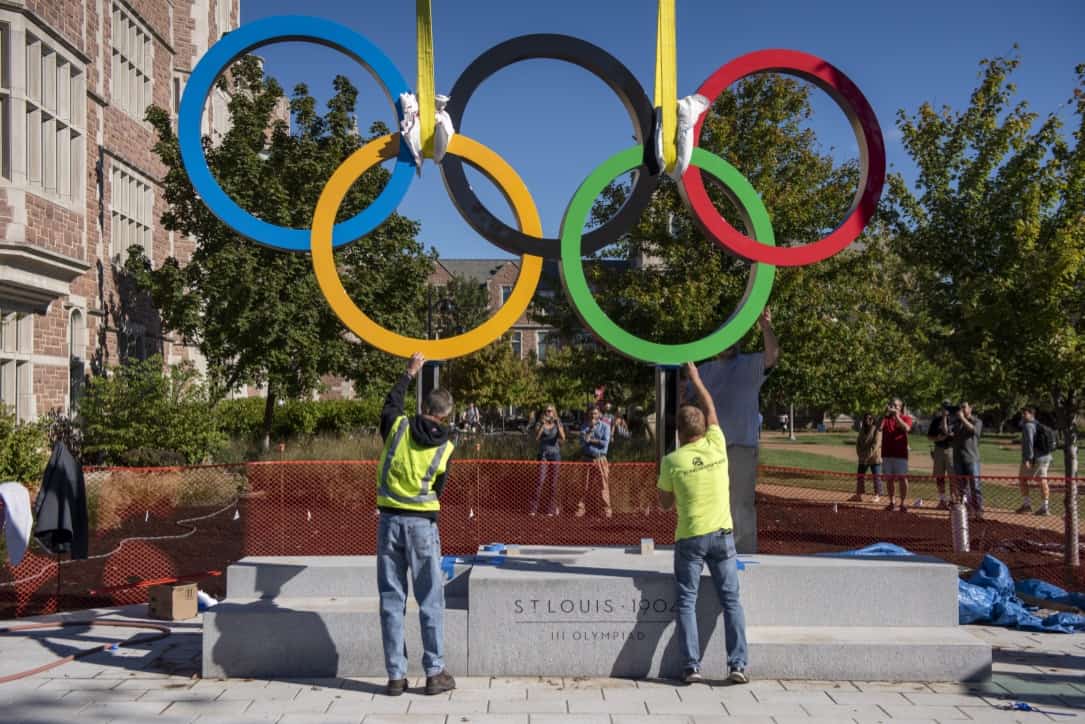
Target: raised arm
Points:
(393, 403)
(704, 400)
(772, 345)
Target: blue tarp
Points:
(989, 595)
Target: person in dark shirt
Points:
(966, 457)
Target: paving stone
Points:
(700, 707)
(502, 694)
(237, 719)
(473, 682)
(982, 688)
(77, 685)
(319, 719)
(743, 709)
(488, 718)
(529, 706)
(745, 719)
(631, 719)
(869, 698)
(844, 711)
(378, 705)
(999, 716)
(208, 708)
(795, 697)
(105, 711)
(261, 690)
(901, 686)
(813, 720)
(404, 719)
(619, 705)
(928, 699)
(598, 682)
(819, 685)
(314, 703)
(207, 694)
(939, 713)
(435, 705)
(570, 719)
(596, 694)
(555, 682)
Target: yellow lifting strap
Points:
(427, 108)
(666, 90)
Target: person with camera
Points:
(868, 449)
(896, 425)
(966, 457)
(549, 434)
(940, 433)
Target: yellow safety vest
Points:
(407, 470)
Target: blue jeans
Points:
(409, 543)
(969, 483)
(690, 555)
(860, 478)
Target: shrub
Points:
(143, 406)
(297, 418)
(24, 450)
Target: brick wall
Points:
(179, 30)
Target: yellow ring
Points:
(516, 193)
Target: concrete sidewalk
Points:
(160, 682)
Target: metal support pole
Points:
(668, 397)
(428, 379)
(791, 424)
(1073, 524)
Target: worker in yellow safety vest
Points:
(411, 474)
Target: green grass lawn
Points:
(994, 450)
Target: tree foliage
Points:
(995, 234)
(147, 414)
(848, 339)
(257, 314)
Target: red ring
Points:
(871, 158)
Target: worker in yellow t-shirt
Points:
(694, 478)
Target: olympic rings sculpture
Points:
(527, 240)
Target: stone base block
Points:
(316, 637)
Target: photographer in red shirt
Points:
(895, 428)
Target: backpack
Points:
(1043, 443)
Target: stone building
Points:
(79, 182)
(528, 337)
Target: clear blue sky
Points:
(555, 122)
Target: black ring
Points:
(608, 69)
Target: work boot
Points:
(692, 676)
(396, 687)
(440, 683)
(738, 675)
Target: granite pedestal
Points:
(601, 612)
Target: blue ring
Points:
(243, 40)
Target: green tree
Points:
(24, 449)
(147, 414)
(460, 305)
(995, 231)
(493, 378)
(847, 344)
(257, 314)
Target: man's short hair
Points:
(1031, 409)
(437, 403)
(691, 422)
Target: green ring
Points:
(594, 318)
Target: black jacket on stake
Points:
(60, 512)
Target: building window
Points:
(133, 65)
(222, 16)
(541, 345)
(5, 102)
(518, 345)
(55, 113)
(506, 292)
(16, 368)
(131, 212)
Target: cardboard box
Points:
(172, 601)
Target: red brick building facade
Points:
(528, 337)
(79, 183)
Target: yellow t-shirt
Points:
(697, 475)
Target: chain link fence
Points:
(156, 525)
